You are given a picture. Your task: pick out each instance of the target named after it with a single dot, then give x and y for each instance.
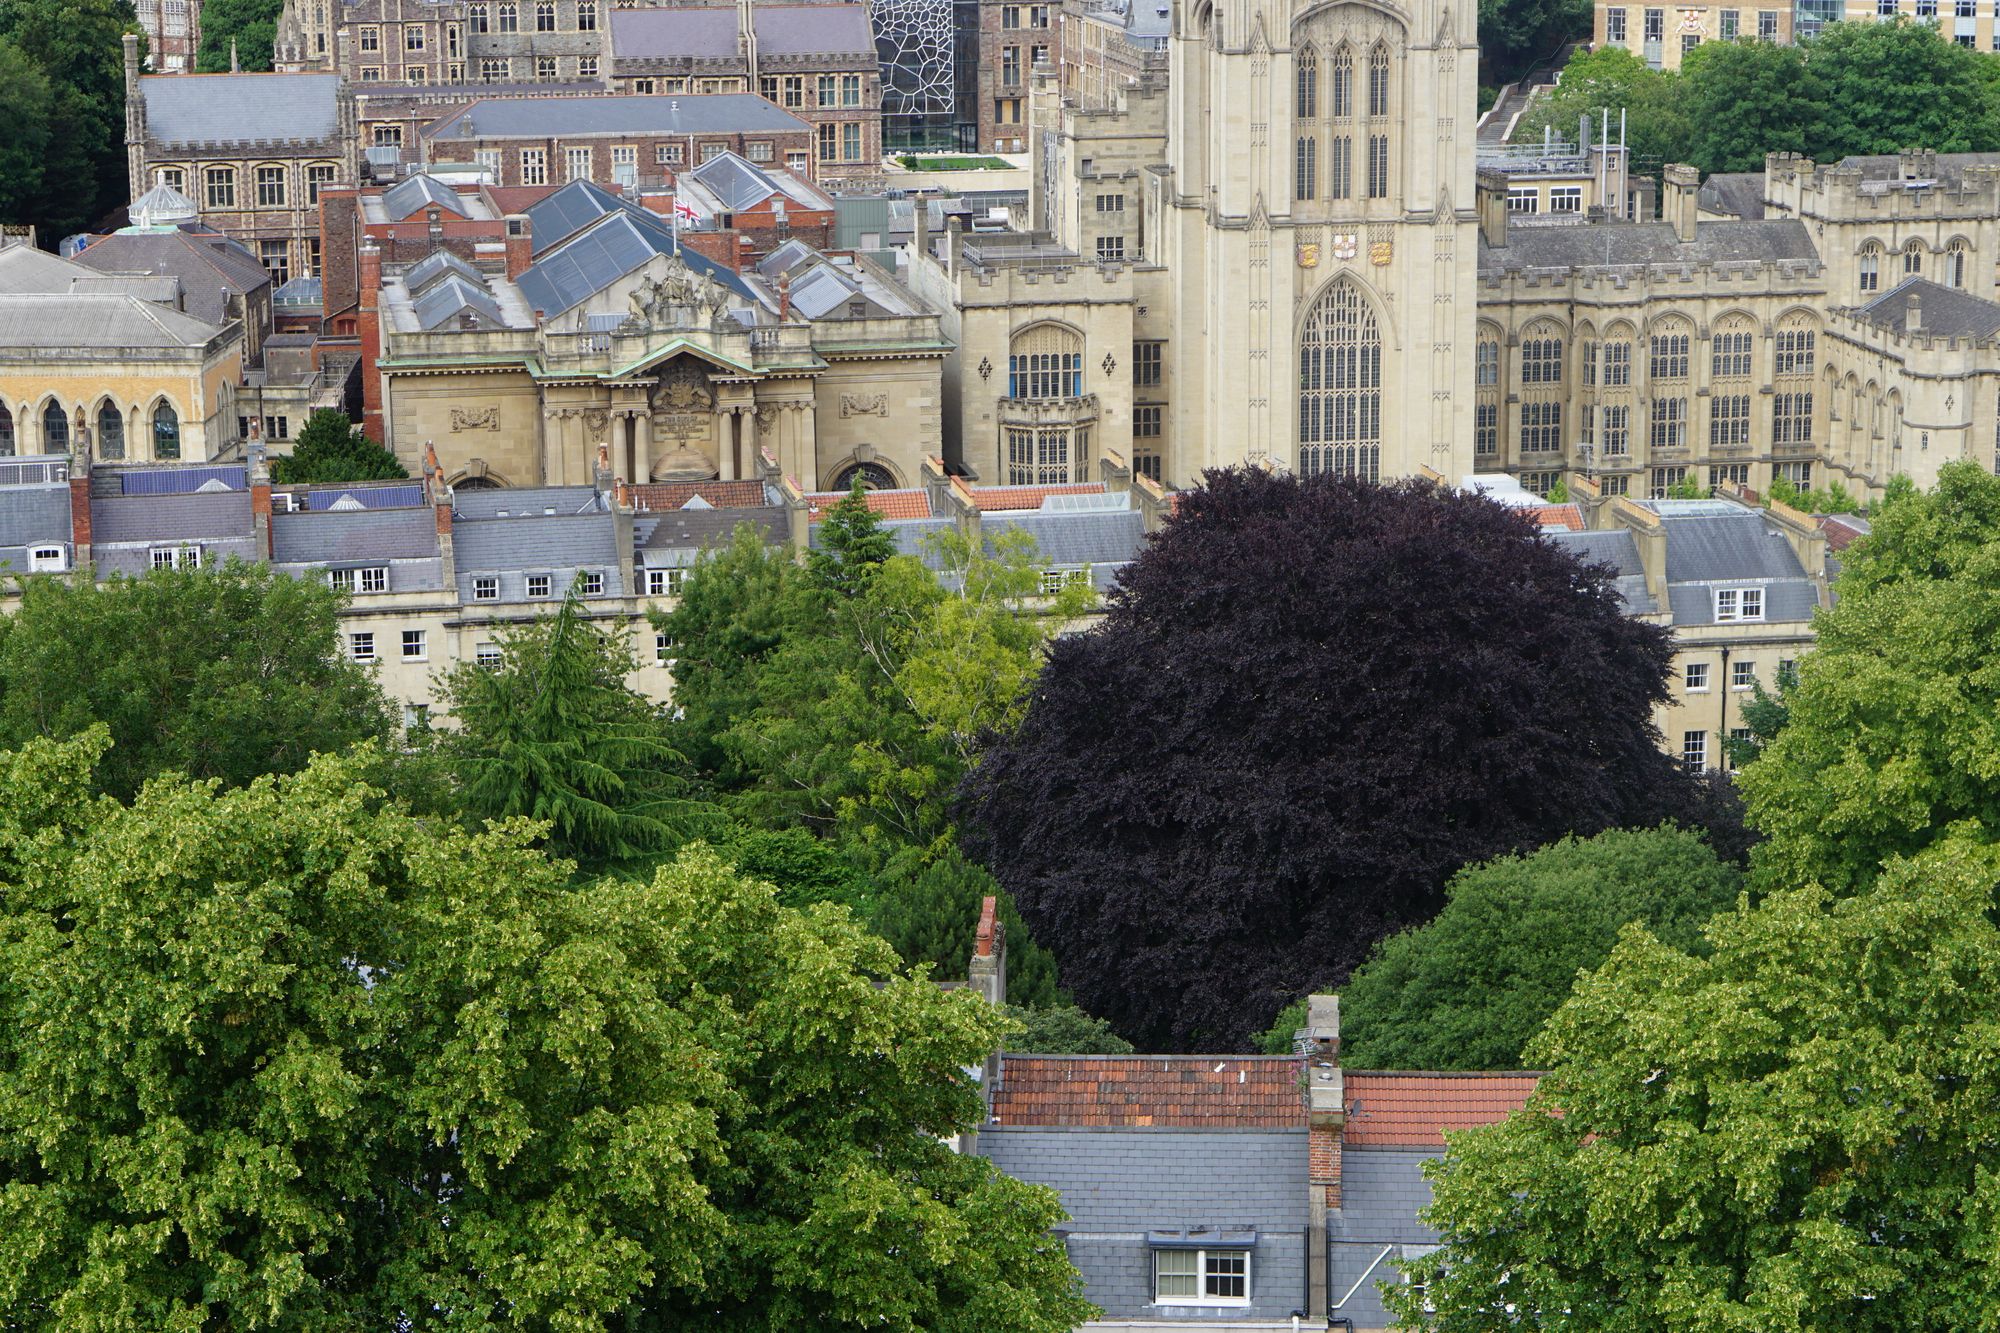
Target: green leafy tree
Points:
(804, 869)
(78, 48)
(853, 545)
(27, 105)
(250, 25)
(554, 733)
(1515, 34)
(1062, 1030)
(285, 1057)
(928, 910)
(333, 449)
(1891, 732)
(1612, 80)
(1764, 715)
(1896, 85)
(1470, 987)
(1746, 99)
(736, 607)
(223, 673)
(1794, 1133)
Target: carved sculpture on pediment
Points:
(474, 418)
(864, 405)
(685, 389)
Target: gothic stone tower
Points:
(1319, 220)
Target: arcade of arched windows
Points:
(1347, 96)
(112, 431)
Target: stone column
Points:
(726, 419)
(642, 447)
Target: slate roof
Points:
(677, 537)
(1404, 1110)
(418, 193)
(192, 516)
(1632, 244)
(1158, 1091)
(30, 516)
(188, 109)
(1710, 547)
(1617, 548)
(1738, 193)
(515, 547)
(1949, 167)
(587, 262)
(721, 494)
(1944, 312)
(572, 117)
(206, 264)
(709, 32)
(479, 502)
(897, 504)
(40, 320)
(1103, 539)
(338, 537)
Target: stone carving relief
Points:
(767, 418)
(682, 403)
(474, 418)
(595, 419)
(864, 405)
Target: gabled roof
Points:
(1943, 312)
(899, 504)
(207, 265)
(189, 109)
(607, 250)
(567, 211)
(1737, 193)
(340, 536)
(1410, 1110)
(661, 495)
(1157, 1091)
(990, 498)
(419, 193)
(452, 298)
(435, 265)
(96, 320)
(190, 516)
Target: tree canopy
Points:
(1309, 702)
(1890, 735)
(282, 1056)
(1855, 88)
(333, 449)
(69, 56)
(225, 673)
(554, 733)
(1792, 1133)
(250, 25)
(1469, 988)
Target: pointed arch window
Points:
(1954, 264)
(6, 431)
(1307, 100)
(1340, 387)
(1871, 267)
(55, 429)
(1378, 81)
(1305, 169)
(166, 432)
(1913, 259)
(1343, 82)
(110, 432)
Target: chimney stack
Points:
(1683, 188)
(1491, 189)
(1326, 1118)
(987, 970)
(1913, 315)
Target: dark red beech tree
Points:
(1310, 701)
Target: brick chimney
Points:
(79, 517)
(260, 503)
(520, 245)
(440, 498)
(986, 971)
(1318, 1042)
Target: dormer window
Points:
(48, 559)
(176, 557)
(373, 578)
(1733, 605)
(1201, 1277)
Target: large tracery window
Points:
(1308, 90)
(1378, 82)
(1343, 83)
(1340, 387)
(1045, 361)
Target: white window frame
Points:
(485, 587)
(1202, 1276)
(1694, 751)
(48, 559)
(546, 582)
(488, 656)
(176, 557)
(1735, 606)
(663, 650)
(665, 582)
(1055, 580)
(593, 583)
(361, 645)
(422, 642)
(1695, 674)
(1742, 675)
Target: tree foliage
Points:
(1309, 703)
(1892, 734)
(76, 48)
(250, 25)
(1795, 1132)
(1468, 989)
(1855, 88)
(928, 910)
(1062, 1029)
(284, 1057)
(555, 734)
(333, 449)
(225, 673)
(1515, 34)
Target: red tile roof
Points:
(1561, 516)
(518, 198)
(1200, 1091)
(1842, 532)
(910, 503)
(1413, 1110)
(1029, 497)
(659, 495)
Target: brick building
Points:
(445, 41)
(173, 33)
(817, 61)
(625, 140)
